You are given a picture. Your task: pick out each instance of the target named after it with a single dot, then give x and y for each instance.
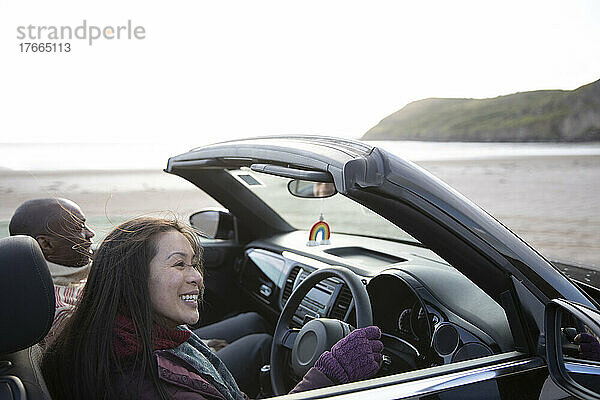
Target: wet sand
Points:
(551, 202)
(106, 197)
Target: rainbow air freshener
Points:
(319, 229)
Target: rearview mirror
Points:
(572, 347)
(309, 189)
(214, 224)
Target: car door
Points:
(511, 375)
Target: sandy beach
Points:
(551, 202)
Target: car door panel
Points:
(221, 297)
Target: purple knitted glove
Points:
(589, 348)
(355, 357)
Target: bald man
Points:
(59, 227)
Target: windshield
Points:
(342, 214)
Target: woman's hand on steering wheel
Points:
(318, 335)
(355, 357)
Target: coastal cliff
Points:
(544, 115)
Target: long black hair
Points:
(81, 362)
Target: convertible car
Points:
(321, 235)
(319, 230)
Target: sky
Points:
(206, 71)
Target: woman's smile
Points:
(175, 282)
(190, 299)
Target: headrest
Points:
(26, 294)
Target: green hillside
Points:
(544, 115)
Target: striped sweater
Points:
(68, 285)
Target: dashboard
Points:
(421, 303)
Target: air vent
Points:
(341, 304)
(289, 285)
(446, 340)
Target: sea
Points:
(154, 156)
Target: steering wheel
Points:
(317, 335)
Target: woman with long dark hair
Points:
(128, 339)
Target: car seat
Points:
(27, 307)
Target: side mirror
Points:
(311, 190)
(214, 224)
(573, 365)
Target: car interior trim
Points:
(424, 386)
(591, 368)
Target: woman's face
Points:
(174, 283)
